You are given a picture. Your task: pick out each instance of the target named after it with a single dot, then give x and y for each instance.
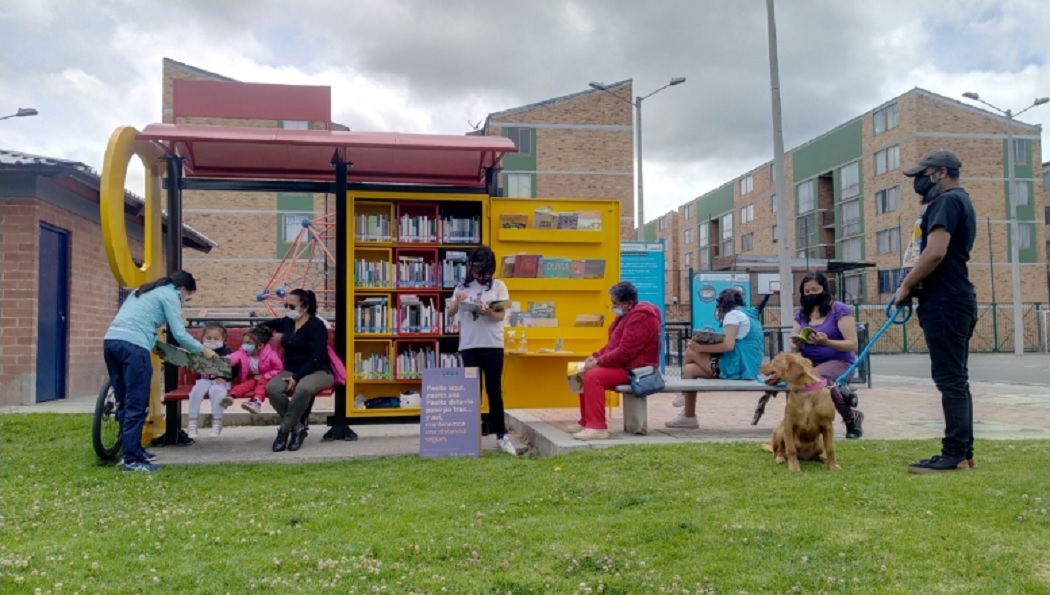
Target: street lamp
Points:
(21, 113)
(637, 103)
(1015, 235)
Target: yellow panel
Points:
(550, 236)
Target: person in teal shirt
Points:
(126, 348)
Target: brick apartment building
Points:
(849, 201)
(574, 146)
(58, 291)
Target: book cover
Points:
(576, 269)
(514, 220)
(507, 268)
(591, 220)
(532, 322)
(541, 309)
(568, 220)
(544, 218)
(594, 268)
(556, 268)
(526, 265)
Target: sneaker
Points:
(140, 467)
(252, 406)
(681, 421)
(226, 402)
(591, 434)
(679, 400)
(149, 456)
(191, 430)
(854, 428)
(574, 428)
(940, 463)
(216, 429)
(506, 445)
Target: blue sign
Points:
(704, 290)
(450, 418)
(642, 263)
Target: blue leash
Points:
(892, 318)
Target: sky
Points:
(431, 66)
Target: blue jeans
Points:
(948, 323)
(130, 374)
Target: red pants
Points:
(592, 402)
(250, 388)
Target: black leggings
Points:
(490, 361)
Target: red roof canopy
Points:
(282, 154)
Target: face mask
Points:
(248, 348)
(926, 187)
(294, 314)
(618, 311)
(213, 344)
(812, 300)
(182, 297)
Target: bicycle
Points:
(105, 428)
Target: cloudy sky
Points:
(435, 65)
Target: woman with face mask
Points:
(481, 333)
(126, 348)
(307, 369)
(831, 344)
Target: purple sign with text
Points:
(450, 419)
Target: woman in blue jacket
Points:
(127, 346)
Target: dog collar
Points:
(816, 386)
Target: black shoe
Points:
(298, 437)
(854, 429)
(281, 442)
(940, 463)
(849, 396)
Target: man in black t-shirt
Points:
(947, 303)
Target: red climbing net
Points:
(308, 264)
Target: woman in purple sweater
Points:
(832, 344)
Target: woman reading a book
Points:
(736, 357)
(307, 369)
(126, 348)
(480, 304)
(825, 332)
(634, 341)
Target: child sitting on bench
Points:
(736, 357)
(214, 387)
(256, 363)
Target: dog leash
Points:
(892, 318)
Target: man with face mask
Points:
(947, 303)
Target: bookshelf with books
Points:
(417, 268)
(372, 222)
(558, 258)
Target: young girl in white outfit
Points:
(213, 387)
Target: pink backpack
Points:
(338, 369)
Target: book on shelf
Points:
(412, 361)
(568, 220)
(577, 268)
(371, 367)
(417, 315)
(507, 267)
(589, 220)
(415, 271)
(460, 230)
(594, 268)
(590, 320)
(514, 220)
(368, 273)
(526, 265)
(545, 309)
(453, 268)
(370, 315)
(544, 218)
(417, 229)
(450, 360)
(556, 268)
(518, 318)
(372, 228)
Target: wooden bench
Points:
(636, 414)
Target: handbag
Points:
(646, 380)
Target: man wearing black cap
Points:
(947, 303)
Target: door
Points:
(52, 322)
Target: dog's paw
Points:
(779, 459)
(793, 465)
(833, 466)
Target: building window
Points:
(702, 237)
(295, 125)
(1020, 194)
(774, 233)
(293, 224)
(522, 138)
(888, 241)
(807, 196)
(705, 259)
(688, 236)
(747, 184)
(1025, 233)
(747, 214)
(853, 250)
(1022, 149)
(890, 280)
(687, 212)
(805, 234)
(773, 202)
(885, 118)
(727, 234)
(1046, 181)
(661, 223)
(887, 159)
(747, 242)
(854, 286)
(888, 200)
(519, 185)
(688, 259)
(849, 180)
(851, 218)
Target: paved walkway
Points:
(1011, 400)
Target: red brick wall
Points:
(92, 295)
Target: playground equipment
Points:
(308, 264)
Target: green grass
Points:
(713, 518)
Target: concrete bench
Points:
(636, 415)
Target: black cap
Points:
(938, 158)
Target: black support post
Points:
(173, 434)
(339, 427)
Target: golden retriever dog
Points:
(807, 431)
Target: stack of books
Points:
(451, 360)
(547, 218)
(412, 360)
(537, 266)
(417, 315)
(372, 228)
(453, 269)
(370, 315)
(372, 273)
(420, 229)
(372, 367)
(460, 231)
(415, 271)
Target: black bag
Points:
(645, 381)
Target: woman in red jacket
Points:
(634, 341)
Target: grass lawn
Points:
(713, 518)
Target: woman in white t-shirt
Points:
(481, 332)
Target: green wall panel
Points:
(828, 152)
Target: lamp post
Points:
(1015, 228)
(21, 113)
(637, 103)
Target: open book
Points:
(193, 362)
(497, 305)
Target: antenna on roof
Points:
(474, 126)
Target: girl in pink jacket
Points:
(256, 362)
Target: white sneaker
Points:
(574, 428)
(507, 446)
(191, 430)
(591, 434)
(216, 429)
(679, 400)
(252, 406)
(226, 402)
(681, 421)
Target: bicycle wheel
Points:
(105, 429)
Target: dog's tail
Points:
(767, 446)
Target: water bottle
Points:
(512, 341)
(523, 346)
